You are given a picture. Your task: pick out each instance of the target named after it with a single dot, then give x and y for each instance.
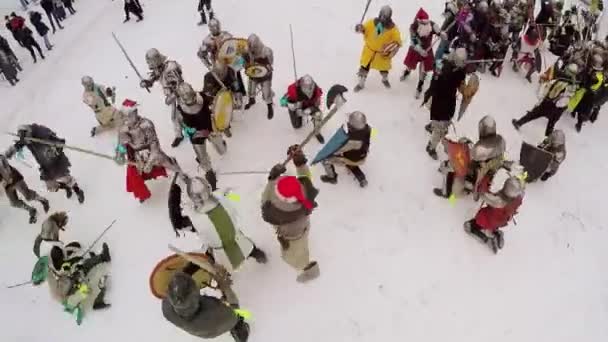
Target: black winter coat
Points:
(443, 90)
(47, 5)
(214, 318)
(39, 25)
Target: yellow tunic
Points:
(374, 44)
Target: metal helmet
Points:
(183, 295)
(307, 84)
(386, 12)
(572, 69)
(597, 62)
(155, 59)
(198, 189)
(487, 126)
(255, 44)
(512, 187)
(87, 82)
(186, 93)
(357, 120)
(558, 138)
(215, 28)
(459, 57)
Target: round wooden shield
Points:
(166, 268)
(460, 157)
(222, 110)
(390, 49)
(257, 71)
(230, 49)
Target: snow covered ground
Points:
(395, 262)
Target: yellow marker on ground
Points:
(452, 199)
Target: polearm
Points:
(293, 54)
(56, 144)
(124, 52)
(365, 11)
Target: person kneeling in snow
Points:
(101, 99)
(499, 210)
(351, 151)
(204, 316)
(227, 236)
(138, 140)
(287, 203)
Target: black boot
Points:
(329, 179)
(177, 141)
(250, 103)
(428, 128)
(68, 191)
(79, 193)
(99, 303)
(500, 239)
(45, 204)
(359, 175)
(211, 177)
(33, 215)
(515, 124)
(432, 152)
(440, 193)
(105, 253)
(405, 75)
(320, 138)
(270, 114)
(545, 176)
(258, 255)
(240, 332)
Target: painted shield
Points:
(460, 157)
(333, 93)
(333, 144)
(231, 50)
(534, 160)
(257, 71)
(40, 271)
(222, 110)
(390, 49)
(166, 268)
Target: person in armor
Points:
(133, 7)
(54, 164)
(382, 41)
(487, 156)
(101, 100)
(169, 74)
(212, 43)
(422, 31)
(450, 27)
(220, 77)
(555, 101)
(209, 205)
(78, 281)
(444, 86)
(137, 140)
(202, 4)
(12, 181)
(260, 56)
(49, 237)
(556, 145)
(591, 88)
(525, 50)
(205, 316)
(287, 203)
(498, 210)
(303, 98)
(198, 127)
(353, 152)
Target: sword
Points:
(124, 52)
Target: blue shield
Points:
(334, 144)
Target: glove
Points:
(443, 35)
(297, 155)
(422, 52)
(276, 172)
(284, 102)
(145, 83)
(359, 28)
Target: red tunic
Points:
(136, 182)
(294, 94)
(490, 218)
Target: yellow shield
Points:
(166, 268)
(230, 49)
(222, 110)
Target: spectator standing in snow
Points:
(59, 10)
(69, 4)
(27, 37)
(41, 28)
(7, 68)
(49, 8)
(13, 31)
(133, 6)
(202, 4)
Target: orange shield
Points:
(460, 157)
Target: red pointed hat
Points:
(129, 105)
(422, 15)
(289, 189)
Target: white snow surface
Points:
(395, 262)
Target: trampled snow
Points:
(395, 262)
